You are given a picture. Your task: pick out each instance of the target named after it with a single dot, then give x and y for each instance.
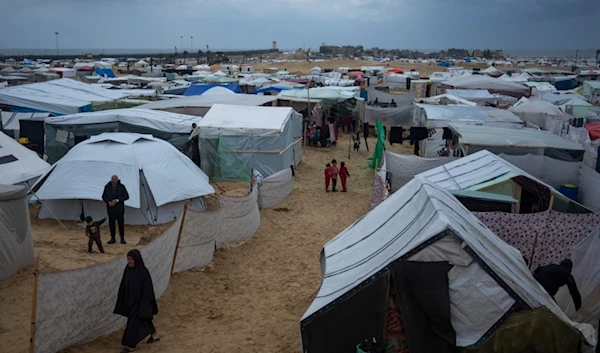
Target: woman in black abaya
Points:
(136, 302)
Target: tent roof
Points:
(442, 115)
(485, 82)
(22, 164)
(536, 106)
(232, 120)
(10, 120)
(87, 167)
(497, 136)
(209, 100)
(480, 195)
(154, 119)
(63, 96)
(470, 93)
(404, 222)
(12, 192)
(339, 94)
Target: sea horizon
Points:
(549, 53)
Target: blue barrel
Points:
(569, 190)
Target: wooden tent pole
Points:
(185, 208)
(36, 268)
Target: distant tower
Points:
(274, 44)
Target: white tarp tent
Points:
(200, 105)
(18, 164)
(537, 111)
(265, 138)
(64, 96)
(10, 120)
(421, 223)
(472, 138)
(63, 132)
(479, 96)
(157, 176)
(494, 85)
(16, 241)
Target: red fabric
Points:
(594, 130)
(395, 71)
(327, 178)
(344, 175)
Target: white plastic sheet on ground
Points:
(76, 306)
(241, 218)
(405, 167)
(275, 189)
(198, 237)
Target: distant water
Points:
(550, 53)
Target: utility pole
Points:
(56, 33)
(181, 39)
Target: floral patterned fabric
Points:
(542, 238)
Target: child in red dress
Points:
(344, 175)
(327, 176)
(334, 171)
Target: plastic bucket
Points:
(569, 190)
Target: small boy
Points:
(334, 171)
(327, 176)
(92, 231)
(343, 175)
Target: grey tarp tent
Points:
(16, 241)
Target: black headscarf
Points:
(136, 292)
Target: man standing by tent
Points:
(115, 194)
(552, 277)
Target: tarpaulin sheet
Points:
(76, 306)
(594, 130)
(198, 237)
(241, 217)
(402, 116)
(543, 238)
(196, 90)
(384, 97)
(275, 189)
(405, 167)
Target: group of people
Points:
(332, 172)
(376, 103)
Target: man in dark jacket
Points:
(115, 194)
(552, 277)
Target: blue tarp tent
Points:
(274, 89)
(565, 85)
(446, 63)
(197, 90)
(105, 72)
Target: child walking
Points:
(327, 176)
(92, 230)
(343, 175)
(334, 171)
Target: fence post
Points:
(185, 207)
(34, 306)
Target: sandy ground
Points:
(250, 298)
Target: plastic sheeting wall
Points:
(198, 236)
(241, 218)
(16, 241)
(68, 313)
(552, 171)
(275, 189)
(77, 306)
(405, 167)
(589, 188)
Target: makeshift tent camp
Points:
(486, 172)
(158, 177)
(537, 111)
(235, 139)
(474, 280)
(471, 139)
(200, 105)
(19, 164)
(11, 121)
(64, 132)
(16, 242)
(561, 97)
(64, 96)
(493, 85)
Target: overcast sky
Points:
(242, 24)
